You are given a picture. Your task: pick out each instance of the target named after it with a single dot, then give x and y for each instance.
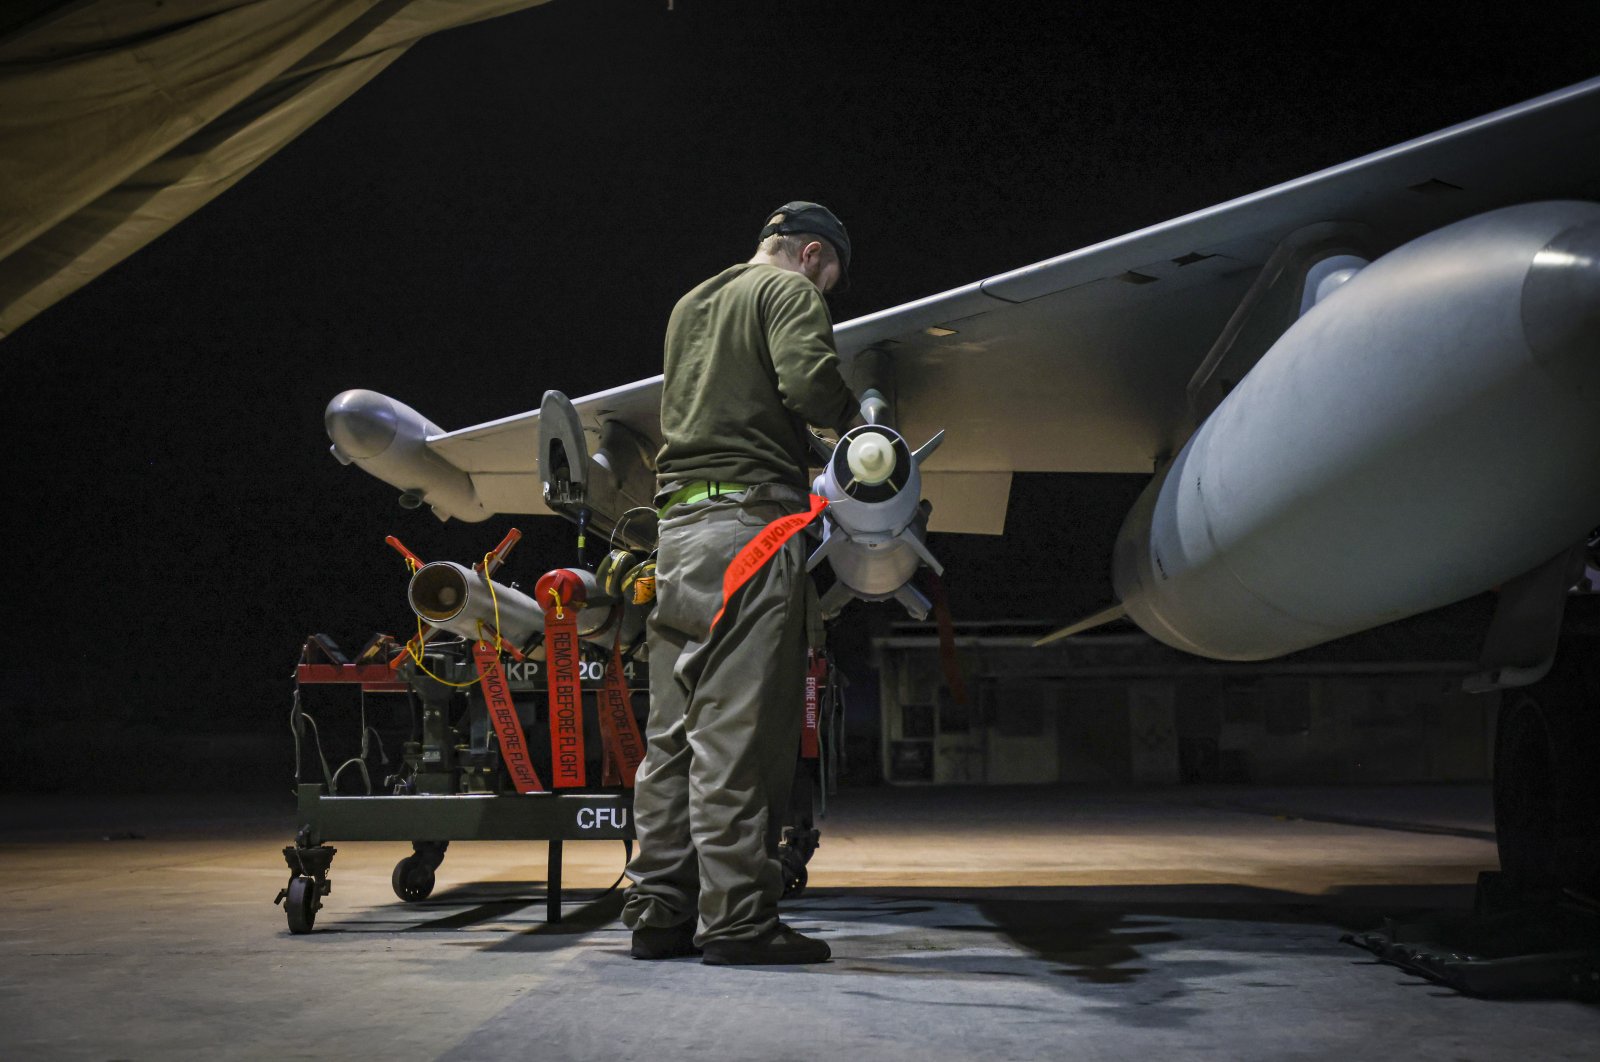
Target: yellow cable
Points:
(416, 659)
(557, 595)
(494, 598)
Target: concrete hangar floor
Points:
(1038, 923)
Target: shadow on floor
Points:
(1106, 934)
(1091, 934)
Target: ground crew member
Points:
(749, 363)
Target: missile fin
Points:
(913, 600)
(836, 598)
(1104, 616)
(874, 407)
(926, 449)
(820, 554)
(920, 548)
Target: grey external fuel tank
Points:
(1427, 430)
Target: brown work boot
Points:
(664, 942)
(781, 947)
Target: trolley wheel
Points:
(412, 879)
(302, 903)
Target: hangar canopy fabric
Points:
(120, 118)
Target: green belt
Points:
(700, 490)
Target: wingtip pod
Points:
(389, 440)
(363, 424)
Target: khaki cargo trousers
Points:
(726, 710)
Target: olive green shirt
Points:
(750, 362)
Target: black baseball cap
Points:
(801, 216)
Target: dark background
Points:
(516, 205)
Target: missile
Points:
(462, 601)
(876, 520)
(1427, 429)
(390, 440)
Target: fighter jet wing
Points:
(1106, 358)
(502, 456)
(1093, 361)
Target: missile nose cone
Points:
(361, 424)
(871, 458)
(1561, 308)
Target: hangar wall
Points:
(1124, 709)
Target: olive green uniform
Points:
(749, 363)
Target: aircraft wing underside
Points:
(1093, 361)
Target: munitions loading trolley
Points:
(465, 771)
(449, 785)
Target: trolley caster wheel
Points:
(412, 879)
(302, 902)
